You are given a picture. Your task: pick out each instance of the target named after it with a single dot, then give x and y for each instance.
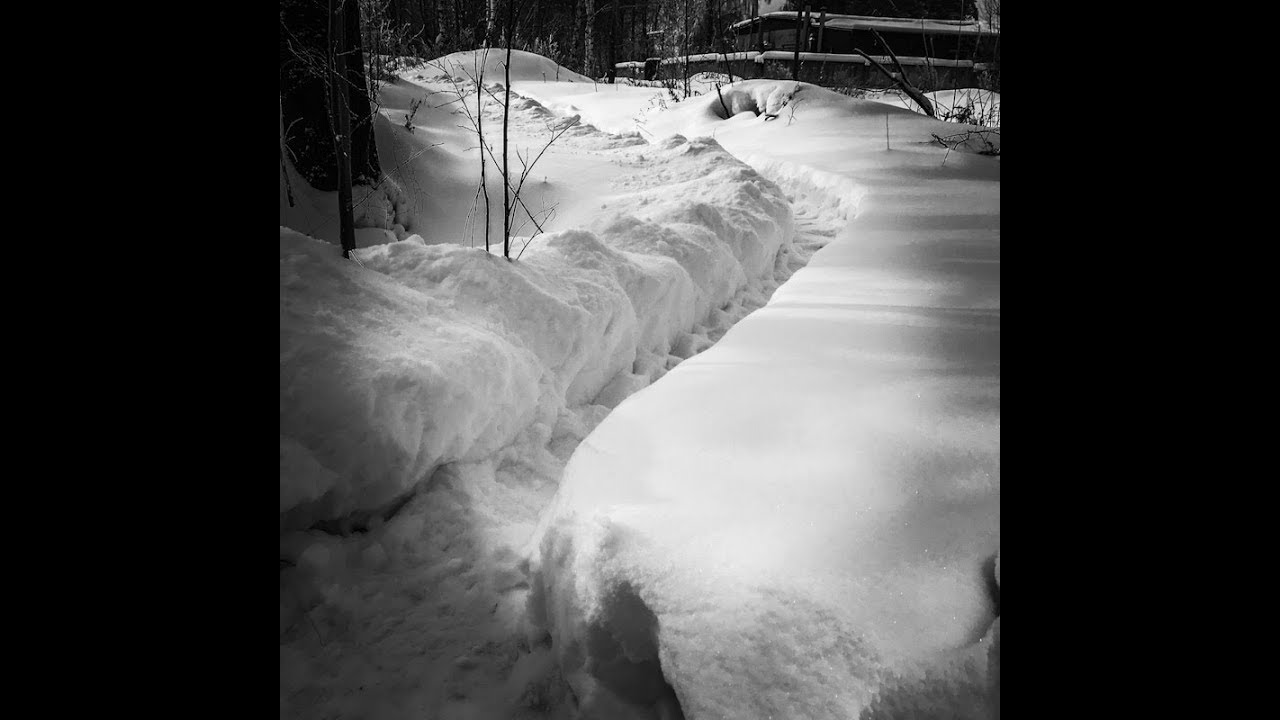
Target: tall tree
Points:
(588, 40)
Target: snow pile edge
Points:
(433, 354)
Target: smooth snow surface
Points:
(796, 523)
(465, 66)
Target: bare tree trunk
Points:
(442, 20)
(613, 38)
(644, 31)
(284, 169)
(903, 81)
(576, 50)
(506, 118)
(489, 20)
(307, 93)
(588, 41)
(480, 134)
(759, 28)
(795, 62)
(686, 48)
(340, 103)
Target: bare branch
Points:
(901, 80)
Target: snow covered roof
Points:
(853, 58)
(869, 22)
(704, 57)
(859, 22)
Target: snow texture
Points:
(435, 354)
(798, 522)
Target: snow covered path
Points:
(416, 610)
(803, 520)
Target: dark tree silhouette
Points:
(305, 77)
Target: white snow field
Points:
(796, 518)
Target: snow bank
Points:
(464, 66)
(431, 354)
(379, 383)
(837, 196)
(766, 99)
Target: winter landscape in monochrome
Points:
(639, 359)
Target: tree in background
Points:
(990, 11)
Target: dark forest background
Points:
(589, 36)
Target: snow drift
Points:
(433, 354)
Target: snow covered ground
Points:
(836, 526)
(811, 503)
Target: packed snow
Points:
(670, 462)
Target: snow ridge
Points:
(586, 317)
(836, 196)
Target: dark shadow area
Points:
(623, 652)
(993, 587)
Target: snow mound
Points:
(464, 66)
(790, 107)
(428, 354)
(379, 383)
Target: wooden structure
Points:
(953, 40)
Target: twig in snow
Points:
(951, 142)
